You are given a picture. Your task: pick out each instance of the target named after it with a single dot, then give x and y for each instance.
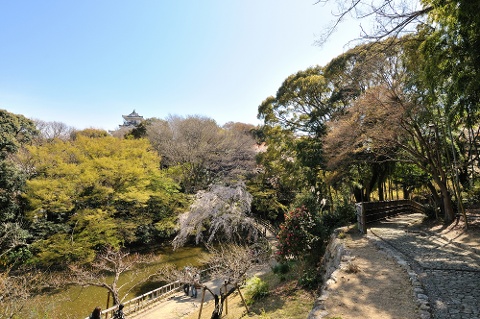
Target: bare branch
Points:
(110, 262)
(389, 18)
(232, 262)
(17, 289)
(11, 236)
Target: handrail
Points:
(145, 301)
(369, 212)
(266, 226)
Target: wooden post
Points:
(241, 296)
(360, 211)
(201, 304)
(226, 298)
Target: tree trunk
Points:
(358, 194)
(449, 213)
(381, 192)
(366, 195)
(219, 302)
(436, 198)
(406, 192)
(445, 200)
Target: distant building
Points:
(131, 120)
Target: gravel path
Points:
(448, 272)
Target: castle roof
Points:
(132, 119)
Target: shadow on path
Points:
(450, 273)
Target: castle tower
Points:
(131, 120)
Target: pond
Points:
(78, 302)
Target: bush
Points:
(310, 279)
(255, 289)
(342, 216)
(281, 268)
(299, 235)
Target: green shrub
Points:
(343, 215)
(310, 279)
(281, 268)
(255, 289)
(300, 235)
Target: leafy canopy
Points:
(101, 189)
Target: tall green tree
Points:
(16, 131)
(280, 176)
(310, 100)
(352, 74)
(303, 103)
(453, 48)
(448, 76)
(295, 121)
(95, 191)
(452, 73)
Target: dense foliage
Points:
(298, 235)
(255, 289)
(92, 192)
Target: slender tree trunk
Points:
(406, 193)
(381, 193)
(366, 195)
(449, 213)
(446, 200)
(436, 198)
(358, 194)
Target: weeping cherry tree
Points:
(220, 213)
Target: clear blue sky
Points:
(85, 63)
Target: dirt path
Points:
(372, 286)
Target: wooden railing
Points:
(264, 225)
(145, 301)
(369, 212)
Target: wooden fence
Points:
(144, 301)
(369, 212)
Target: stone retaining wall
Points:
(335, 257)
